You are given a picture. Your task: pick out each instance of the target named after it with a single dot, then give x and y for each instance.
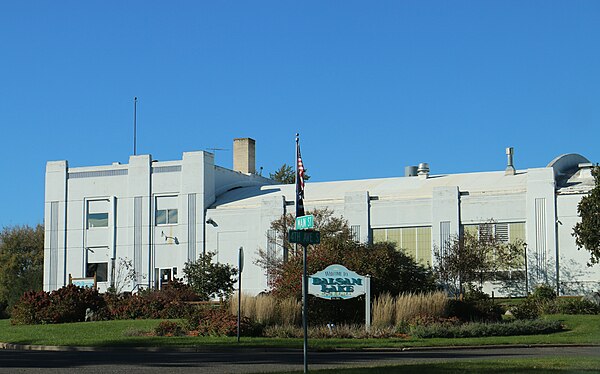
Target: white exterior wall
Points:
(575, 277)
(241, 208)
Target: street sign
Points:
(305, 222)
(304, 237)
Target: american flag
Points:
(299, 182)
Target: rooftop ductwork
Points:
(510, 169)
(423, 170)
(410, 171)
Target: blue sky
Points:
(372, 86)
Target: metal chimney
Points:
(510, 169)
(410, 171)
(423, 170)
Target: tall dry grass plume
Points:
(267, 310)
(394, 311)
(383, 311)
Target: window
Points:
(507, 233)
(97, 213)
(166, 217)
(355, 232)
(504, 232)
(166, 210)
(99, 269)
(414, 241)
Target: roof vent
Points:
(410, 171)
(423, 170)
(510, 169)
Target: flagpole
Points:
(304, 260)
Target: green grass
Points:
(528, 365)
(581, 329)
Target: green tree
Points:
(330, 227)
(390, 269)
(587, 232)
(209, 279)
(476, 257)
(21, 263)
(286, 174)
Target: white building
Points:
(161, 214)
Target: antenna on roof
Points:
(216, 149)
(134, 125)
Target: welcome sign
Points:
(336, 282)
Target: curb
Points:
(199, 349)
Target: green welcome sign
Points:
(337, 282)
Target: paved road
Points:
(250, 360)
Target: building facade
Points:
(159, 215)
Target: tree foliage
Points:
(390, 269)
(587, 232)
(209, 279)
(476, 257)
(330, 227)
(286, 174)
(21, 263)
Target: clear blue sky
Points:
(372, 86)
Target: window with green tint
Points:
(414, 241)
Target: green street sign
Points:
(305, 222)
(304, 237)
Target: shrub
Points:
(543, 292)
(526, 310)
(475, 306)
(67, 304)
(473, 330)
(218, 322)
(169, 302)
(31, 308)
(169, 328)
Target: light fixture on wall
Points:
(167, 237)
(211, 222)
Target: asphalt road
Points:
(250, 360)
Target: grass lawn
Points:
(551, 365)
(580, 330)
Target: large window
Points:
(513, 233)
(166, 210)
(504, 232)
(97, 213)
(414, 241)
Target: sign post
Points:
(304, 237)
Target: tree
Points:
(476, 257)
(21, 263)
(587, 232)
(209, 279)
(330, 227)
(286, 175)
(125, 276)
(391, 270)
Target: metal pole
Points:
(240, 269)
(305, 308)
(135, 126)
(239, 306)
